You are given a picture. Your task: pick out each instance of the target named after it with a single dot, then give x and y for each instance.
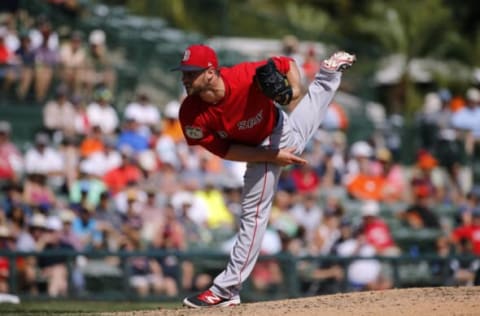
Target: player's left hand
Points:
(287, 157)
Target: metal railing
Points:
(405, 271)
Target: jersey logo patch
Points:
(194, 132)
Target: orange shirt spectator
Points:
(92, 143)
(366, 187)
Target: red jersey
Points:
(244, 115)
(472, 234)
(378, 235)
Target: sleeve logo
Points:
(194, 132)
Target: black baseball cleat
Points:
(339, 61)
(209, 299)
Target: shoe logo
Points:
(211, 299)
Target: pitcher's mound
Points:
(402, 302)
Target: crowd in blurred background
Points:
(96, 178)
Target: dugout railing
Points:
(300, 276)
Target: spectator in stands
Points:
(305, 178)
(131, 137)
(59, 115)
(7, 243)
(144, 113)
(82, 122)
(171, 124)
(73, 62)
(219, 217)
(394, 182)
(46, 59)
(133, 193)
(99, 70)
(365, 273)
(92, 143)
(152, 215)
(328, 170)
(101, 112)
(11, 160)
(376, 231)
(464, 267)
(54, 267)
(87, 184)
(6, 61)
(467, 120)
(419, 214)
(308, 214)
(364, 184)
(25, 56)
(13, 199)
(46, 160)
(37, 193)
(360, 154)
(325, 234)
(469, 233)
(109, 222)
(423, 175)
(85, 228)
(118, 178)
(310, 65)
(44, 33)
(165, 148)
(68, 236)
(106, 160)
(68, 149)
(132, 222)
(145, 273)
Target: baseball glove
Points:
(273, 83)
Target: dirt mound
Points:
(416, 301)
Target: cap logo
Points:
(186, 55)
(194, 132)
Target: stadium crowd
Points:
(96, 178)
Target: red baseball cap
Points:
(198, 57)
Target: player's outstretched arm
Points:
(281, 157)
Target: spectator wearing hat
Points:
(11, 160)
(144, 113)
(59, 115)
(109, 221)
(424, 175)
(101, 112)
(361, 182)
(376, 231)
(99, 69)
(73, 60)
(171, 124)
(54, 267)
(393, 174)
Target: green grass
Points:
(66, 307)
